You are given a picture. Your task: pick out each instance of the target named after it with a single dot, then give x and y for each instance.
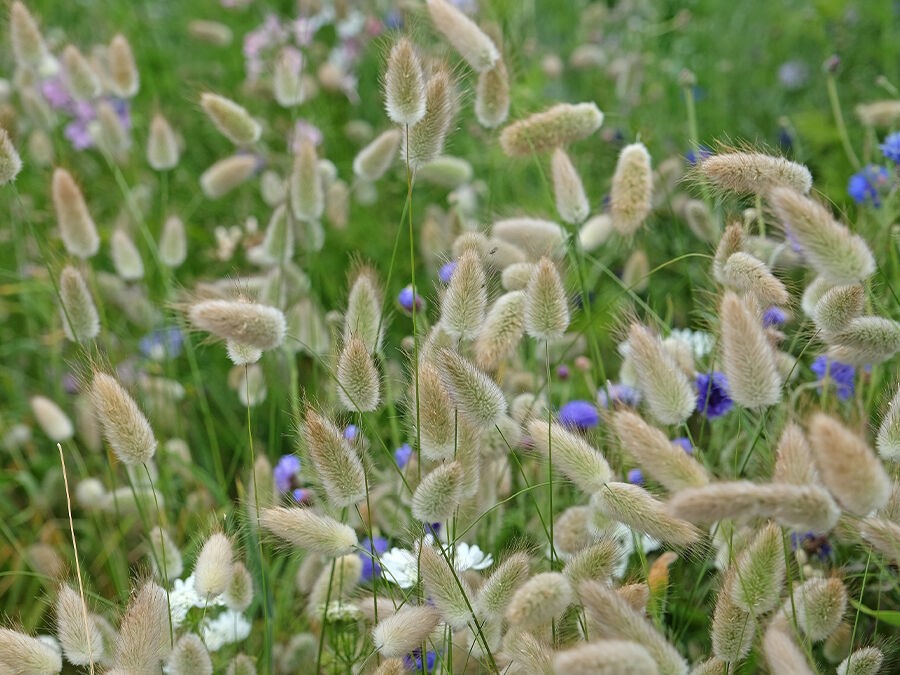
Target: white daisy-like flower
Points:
(228, 627)
(183, 597)
(467, 557)
(700, 342)
(401, 566)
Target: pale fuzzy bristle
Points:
(753, 173)
(701, 221)
(227, 174)
(555, 127)
(595, 232)
(515, 278)
(733, 628)
(498, 589)
(252, 324)
(448, 592)
(446, 171)
(800, 507)
(376, 158)
(189, 657)
(815, 291)
(879, 113)
(89, 494)
(712, 666)
(883, 535)
(748, 359)
(163, 152)
(404, 85)
(393, 666)
(670, 465)
(475, 394)
(828, 246)
(631, 190)
(335, 583)
(759, 572)
(434, 416)
(639, 510)
(21, 653)
(28, 46)
(636, 273)
(572, 531)
(309, 531)
(818, 607)
(888, 438)
(465, 301)
(126, 257)
(581, 463)
(492, 96)
(837, 645)
(571, 200)
(80, 77)
(527, 653)
(78, 634)
(110, 133)
(501, 331)
(288, 82)
(793, 458)
(540, 600)
(239, 593)
(359, 386)
(406, 630)
(125, 427)
(596, 562)
(848, 467)
(439, 494)
(213, 32)
(337, 465)
(144, 631)
(231, 119)
(123, 73)
(212, 571)
(837, 307)
(866, 340)
(546, 305)
(865, 661)
(783, 655)
(472, 44)
(669, 394)
(163, 551)
(731, 242)
(745, 274)
(363, 315)
(605, 657)
(424, 141)
(76, 227)
(636, 595)
(173, 243)
(337, 202)
(10, 162)
(241, 354)
(241, 665)
(307, 195)
(612, 617)
(52, 420)
(535, 237)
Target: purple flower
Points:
(712, 394)
(615, 393)
(402, 455)
(891, 147)
(813, 544)
(579, 415)
(302, 496)
(685, 444)
(636, 477)
(285, 472)
(446, 271)
(866, 184)
(842, 375)
(774, 316)
(562, 372)
(162, 343)
(413, 661)
(408, 299)
(351, 431)
(693, 156)
(370, 567)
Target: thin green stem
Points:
(835, 102)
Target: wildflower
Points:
(162, 343)
(615, 393)
(402, 455)
(891, 147)
(371, 569)
(562, 372)
(866, 184)
(286, 472)
(351, 432)
(700, 342)
(692, 156)
(410, 301)
(712, 394)
(636, 477)
(842, 375)
(774, 316)
(413, 661)
(401, 566)
(446, 271)
(685, 444)
(226, 628)
(811, 543)
(577, 414)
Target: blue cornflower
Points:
(636, 477)
(162, 343)
(774, 316)
(446, 271)
(302, 495)
(351, 431)
(402, 455)
(579, 415)
(891, 147)
(370, 567)
(842, 375)
(712, 394)
(413, 661)
(685, 444)
(285, 472)
(866, 184)
(813, 544)
(693, 156)
(614, 393)
(409, 299)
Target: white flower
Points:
(470, 557)
(183, 597)
(700, 342)
(402, 567)
(228, 627)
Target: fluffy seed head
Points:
(212, 571)
(837, 307)
(793, 458)
(783, 656)
(574, 456)
(436, 419)
(594, 233)
(866, 340)
(288, 82)
(406, 630)
(555, 127)
(597, 562)
(878, 113)
(636, 273)
(475, 394)
(82, 644)
(190, 657)
(376, 158)
(446, 171)
(363, 315)
(231, 119)
(731, 242)
(501, 331)
(162, 145)
(52, 420)
(247, 323)
(828, 246)
(748, 359)
(126, 257)
(605, 657)
(335, 587)
(404, 85)
(497, 591)
(847, 466)
(241, 665)
(163, 551)
(546, 306)
(464, 303)
(535, 237)
(110, 134)
(20, 653)
(28, 46)
(239, 593)
(492, 96)
(123, 73)
(759, 573)
(124, 426)
(883, 535)
(637, 508)
(10, 162)
(173, 243)
(865, 661)
(144, 631)
(307, 194)
(76, 227)
(667, 390)
(819, 606)
(888, 440)
(424, 141)
(226, 174)
(439, 494)
(746, 274)
(337, 465)
(448, 592)
(82, 81)
(307, 530)
(701, 221)
(753, 173)
(516, 278)
(733, 629)
(476, 48)
(539, 600)
(571, 200)
(632, 189)
(358, 381)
